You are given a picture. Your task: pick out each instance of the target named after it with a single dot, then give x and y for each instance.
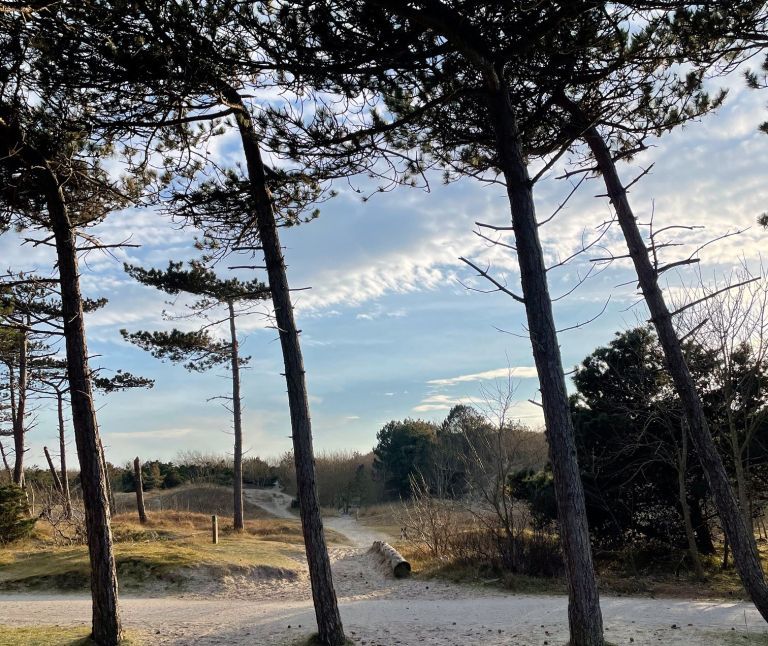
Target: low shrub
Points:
(15, 522)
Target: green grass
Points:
(737, 638)
(50, 636)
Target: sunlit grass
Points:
(162, 550)
(53, 636)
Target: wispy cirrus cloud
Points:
(516, 372)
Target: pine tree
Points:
(198, 350)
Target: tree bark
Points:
(107, 481)
(52, 469)
(63, 456)
(106, 626)
(682, 468)
(139, 486)
(238, 422)
(21, 411)
(584, 614)
(5, 463)
(701, 528)
(330, 628)
(107, 630)
(743, 546)
(742, 487)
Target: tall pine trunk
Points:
(238, 421)
(584, 614)
(330, 628)
(107, 630)
(20, 412)
(742, 542)
(63, 456)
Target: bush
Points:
(14, 514)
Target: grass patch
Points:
(737, 638)
(165, 550)
(51, 636)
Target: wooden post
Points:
(215, 529)
(54, 474)
(139, 491)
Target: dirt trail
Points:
(520, 620)
(379, 610)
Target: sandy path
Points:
(494, 619)
(379, 610)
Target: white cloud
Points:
(438, 402)
(518, 372)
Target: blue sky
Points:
(388, 329)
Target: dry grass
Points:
(385, 517)
(200, 498)
(51, 636)
(661, 580)
(163, 551)
(655, 578)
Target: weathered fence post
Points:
(139, 491)
(215, 528)
(54, 474)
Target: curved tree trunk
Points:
(330, 628)
(107, 629)
(106, 626)
(238, 422)
(584, 615)
(742, 542)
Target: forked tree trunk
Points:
(584, 615)
(63, 456)
(238, 422)
(52, 469)
(330, 628)
(21, 412)
(742, 543)
(139, 486)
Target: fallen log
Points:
(394, 560)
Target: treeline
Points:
(643, 482)
(193, 469)
(444, 456)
